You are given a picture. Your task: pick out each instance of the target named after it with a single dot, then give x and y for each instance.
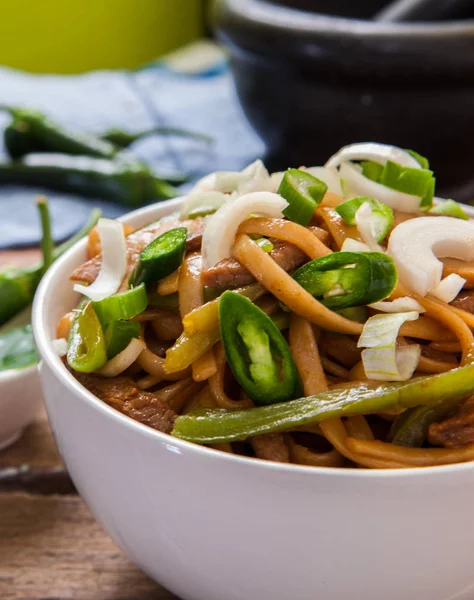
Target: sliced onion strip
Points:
(448, 288)
(222, 226)
(114, 262)
(123, 360)
(379, 153)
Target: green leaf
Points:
(17, 349)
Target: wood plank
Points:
(51, 547)
(19, 258)
(33, 463)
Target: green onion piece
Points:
(303, 192)
(202, 211)
(424, 162)
(17, 348)
(265, 244)
(161, 257)
(371, 170)
(121, 307)
(382, 215)
(118, 336)
(87, 351)
(416, 182)
(449, 208)
(47, 244)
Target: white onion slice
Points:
(60, 346)
(204, 200)
(123, 360)
(382, 360)
(405, 304)
(114, 262)
(254, 178)
(222, 226)
(416, 244)
(365, 225)
(351, 245)
(355, 184)
(379, 153)
(329, 176)
(449, 288)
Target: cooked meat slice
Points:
(456, 431)
(230, 273)
(137, 241)
(464, 300)
(121, 393)
(271, 446)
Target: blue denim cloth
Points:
(132, 101)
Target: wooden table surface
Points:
(51, 548)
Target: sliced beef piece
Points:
(464, 300)
(271, 446)
(121, 393)
(456, 431)
(230, 273)
(137, 241)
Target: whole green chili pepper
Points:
(209, 426)
(124, 139)
(345, 279)
(161, 257)
(87, 350)
(17, 286)
(127, 182)
(31, 131)
(256, 351)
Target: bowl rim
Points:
(274, 15)
(57, 367)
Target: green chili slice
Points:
(382, 215)
(87, 351)
(256, 351)
(119, 334)
(161, 257)
(345, 279)
(123, 306)
(303, 192)
(209, 426)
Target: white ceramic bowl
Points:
(211, 526)
(20, 401)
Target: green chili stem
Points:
(47, 244)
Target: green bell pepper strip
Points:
(161, 257)
(127, 182)
(303, 192)
(382, 215)
(119, 334)
(371, 170)
(256, 351)
(346, 279)
(17, 286)
(122, 306)
(210, 426)
(87, 350)
(411, 427)
(449, 208)
(170, 302)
